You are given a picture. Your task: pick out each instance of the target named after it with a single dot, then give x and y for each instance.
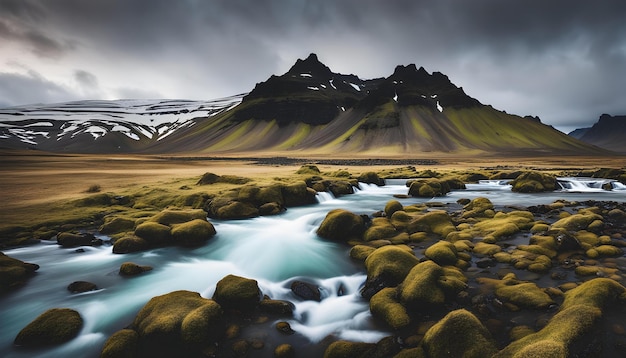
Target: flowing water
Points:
(273, 250)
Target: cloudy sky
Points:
(564, 61)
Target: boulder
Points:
(276, 307)
(116, 225)
(236, 210)
(478, 208)
(385, 306)
(70, 239)
(193, 233)
(428, 188)
(81, 286)
(169, 216)
(429, 285)
(298, 194)
(178, 323)
(459, 334)
(238, 293)
(309, 169)
(153, 233)
(122, 344)
(371, 178)
(130, 243)
(55, 326)
(387, 267)
(534, 182)
(14, 273)
(132, 269)
(306, 291)
(435, 222)
(339, 188)
(442, 252)
(391, 207)
(341, 225)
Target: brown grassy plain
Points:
(34, 185)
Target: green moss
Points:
(116, 225)
(429, 188)
(519, 293)
(442, 252)
(14, 273)
(485, 249)
(391, 207)
(479, 207)
(344, 349)
(308, 169)
(371, 178)
(576, 222)
(122, 344)
(154, 233)
(420, 288)
(132, 269)
(598, 293)
(237, 293)
(169, 217)
(459, 334)
(193, 233)
(436, 222)
(543, 349)
(237, 210)
(130, 243)
(606, 251)
(341, 225)
(385, 306)
(400, 219)
(534, 182)
(199, 326)
(55, 326)
(380, 228)
(392, 263)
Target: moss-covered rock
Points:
(380, 228)
(117, 225)
(429, 188)
(55, 326)
(81, 286)
(436, 222)
(442, 252)
(236, 210)
(429, 285)
(130, 243)
(284, 351)
(14, 273)
(387, 267)
(308, 169)
(122, 344)
(341, 225)
(239, 293)
(193, 233)
(385, 306)
(391, 207)
(344, 349)
(371, 178)
(72, 239)
(298, 194)
(132, 269)
(576, 222)
(177, 323)
(598, 292)
(518, 293)
(361, 252)
(478, 208)
(534, 182)
(339, 188)
(459, 334)
(153, 233)
(169, 216)
(276, 307)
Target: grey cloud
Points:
(29, 88)
(86, 79)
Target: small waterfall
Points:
(324, 196)
(490, 184)
(583, 184)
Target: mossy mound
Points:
(55, 326)
(518, 293)
(72, 239)
(169, 216)
(387, 267)
(442, 252)
(478, 208)
(371, 178)
(534, 182)
(436, 222)
(176, 324)
(504, 225)
(459, 334)
(429, 285)
(193, 233)
(122, 344)
(385, 306)
(153, 233)
(239, 293)
(386, 347)
(132, 269)
(380, 228)
(298, 194)
(276, 307)
(598, 293)
(211, 178)
(115, 225)
(81, 286)
(341, 225)
(130, 243)
(361, 252)
(14, 273)
(309, 169)
(576, 222)
(236, 210)
(391, 207)
(428, 188)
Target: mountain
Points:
(102, 126)
(608, 132)
(309, 110)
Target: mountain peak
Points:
(311, 65)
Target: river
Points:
(273, 250)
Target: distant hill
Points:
(608, 132)
(309, 110)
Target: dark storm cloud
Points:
(563, 61)
(15, 87)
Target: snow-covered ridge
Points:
(136, 119)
